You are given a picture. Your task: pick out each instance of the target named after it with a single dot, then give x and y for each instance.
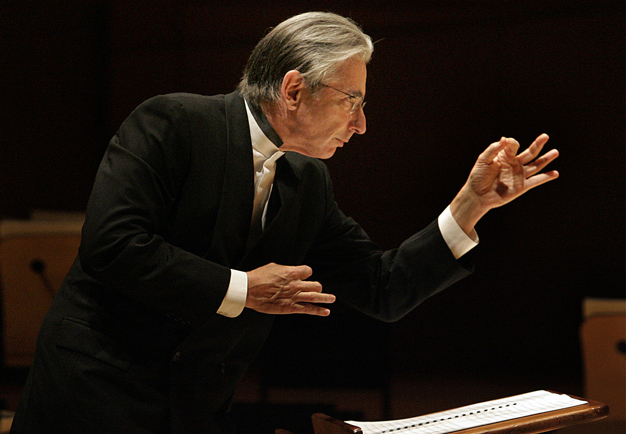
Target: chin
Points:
(321, 153)
(326, 155)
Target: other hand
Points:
(281, 289)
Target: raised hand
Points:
(281, 289)
(500, 176)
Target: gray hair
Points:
(313, 43)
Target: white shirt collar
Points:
(260, 142)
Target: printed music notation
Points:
(474, 415)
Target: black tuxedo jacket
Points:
(132, 342)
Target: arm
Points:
(389, 284)
(500, 176)
(383, 284)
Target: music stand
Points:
(537, 423)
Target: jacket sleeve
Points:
(384, 284)
(124, 244)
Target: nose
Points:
(358, 124)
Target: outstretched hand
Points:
(281, 289)
(500, 176)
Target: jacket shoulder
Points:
(189, 102)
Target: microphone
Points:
(39, 267)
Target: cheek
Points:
(333, 125)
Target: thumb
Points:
(492, 151)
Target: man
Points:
(209, 215)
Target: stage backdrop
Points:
(447, 79)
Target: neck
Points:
(278, 119)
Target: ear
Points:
(292, 89)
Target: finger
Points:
(314, 297)
(309, 309)
(534, 149)
(538, 165)
(540, 179)
(508, 151)
(511, 145)
(300, 286)
(489, 154)
(287, 307)
(299, 272)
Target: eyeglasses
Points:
(357, 101)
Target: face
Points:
(322, 121)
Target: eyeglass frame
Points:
(355, 104)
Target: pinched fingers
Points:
(489, 154)
(499, 151)
(508, 151)
(511, 145)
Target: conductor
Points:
(210, 215)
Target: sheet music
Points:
(474, 415)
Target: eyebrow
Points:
(354, 92)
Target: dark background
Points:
(447, 79)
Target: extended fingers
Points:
(302, 298)
(281, 289)
(314, 297)
(534, 149)
(308, 292)
(528, 158)
(298, 296)
(299, 272)
(304, 302)
(290, 288)
(541, 178)
(537, 165)
(309, 309)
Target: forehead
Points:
(350, 77)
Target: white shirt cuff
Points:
(235, 298)
(455, 237)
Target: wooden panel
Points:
(603, 340)
(32, 268)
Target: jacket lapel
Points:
(235, 210)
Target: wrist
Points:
(467, 209)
